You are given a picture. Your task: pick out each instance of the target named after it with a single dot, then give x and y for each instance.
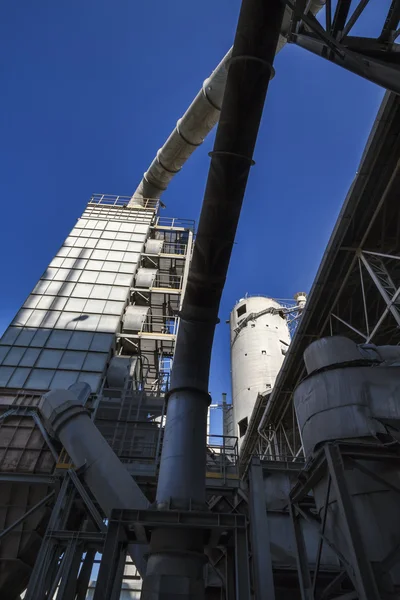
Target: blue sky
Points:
(91, 89)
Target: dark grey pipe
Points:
(175, 566)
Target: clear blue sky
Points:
(91, 89)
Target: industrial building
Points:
(111, 485)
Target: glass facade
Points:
(66, 328)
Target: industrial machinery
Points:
(103, 439)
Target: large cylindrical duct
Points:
(104, 474)
(259, 339)
(352, 394)
(175, 566)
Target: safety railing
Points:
(173, 222)
(163, 324)
(111, 200)
(166, 280)
(222, 457)
(171, 248)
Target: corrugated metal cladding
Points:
(65, 329)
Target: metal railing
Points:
(163, 324)
(166, 280)
(171, 248)
(222, 457)
(173, 222)
(111, 200)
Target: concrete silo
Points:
(259, 340)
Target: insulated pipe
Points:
(196, 123)
(104, 474)
(175, 565)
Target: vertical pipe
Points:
(175, 566)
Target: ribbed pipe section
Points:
(196, 123)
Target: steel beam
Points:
(364, 577)
(306, 588)
(27, 514)
(259, 535)
(109, 580)
(383, 74)
(242, 572)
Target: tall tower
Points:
(104, 312)
(259, 339)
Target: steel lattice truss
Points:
(375, 59)
(356, 291)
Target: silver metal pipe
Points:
(104, 474)
(196, 124)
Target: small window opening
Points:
(241, 310)
(263, 352)
(243, 424)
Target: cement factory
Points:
(112, 485)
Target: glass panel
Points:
(103, 245)
(22, 317)
(49, 359)
(119, 293)
(102, 342)
(88, 276)
(3, 351)
(36, 318)
(82, 290)
(18, 378)
(108, 323)
(114, 308)
(72, 360)
(117, 245)
(95, 362)
(67, 320)
(32, 301)
(51, 318)
(95, 306)
(100, 291)
(14, 356)
(5, 374)
(40, 337)
(10, 335)
(106, 277)
(87, 322)
(100, 254)
(115, 255)
(59, 339)
(39, 379)
(29, 358)
(131, 257)
(63, 379)
(127, 268)
(80, 340)
(123, 279)
(25, 337)
(75, 304)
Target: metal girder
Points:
(259, 532)
(385, 75)
(365, 580)
(372, 59)
(391, 23)
(340, 18)
(27, 514)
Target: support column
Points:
(259, 535)
(365, 580)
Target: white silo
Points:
(259, 340)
